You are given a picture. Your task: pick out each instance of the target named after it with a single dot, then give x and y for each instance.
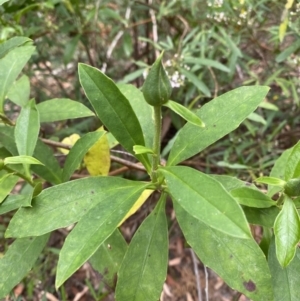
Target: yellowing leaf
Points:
(71, 140)
(140, 201)
(289, 4)
(97, 159)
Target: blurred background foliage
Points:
(211, 47)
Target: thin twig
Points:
(115, 40)
(129, 164)
(56, 144)
(154, 27)
(196, 271)
(124, 162)
(185, 31)
(206, 283)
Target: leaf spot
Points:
(249, 286)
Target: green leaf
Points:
(70, 49)
(140, 149)
(144, 268)
(20, 91)
(184, 113)
(270, 181)
(278, 171)
(288, 51)
(78, 151)
(261, 216)
(27, 129)
(230, 183)
(109, 256)
(12, 63)
(12, 43)
(61, 205)
(96, 226)
(239, 262)
(113, 109)
(57, 109)
(285, 280)
(206, 62)
(50, 170)
(196, 81)
(206, 200)
(287, 232)
(7, 183)
(142, 110)
(257, 118)
(13, 202)
(21, 160)
(7, 139)
(252, 197)
(292, 169)
(222, 115)
(18, 261)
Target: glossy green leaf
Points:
(252, 197)
(78, 151)
(196, 81)
(206, 62)
(27, 129)
(287, 232)
(61, 205)
(206, 200)
(144, 268)
(270, 181)
(12, 43)
(286, 284)
(21, 160)
(221, 115)
(108, 258)
(18, 261)
(19, 92)
(113, 109)
(292, 169)
(261, 216)
(96, 226)
(140, 149)
(13, 62)
(185, 113)
(7, 183)
(239, 262)
(57, 109)
(50, 170)
(142, 110)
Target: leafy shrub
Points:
(213, 211)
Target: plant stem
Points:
(24, 177)
(156, 143)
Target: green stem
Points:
(156, 143)
(24, 177)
